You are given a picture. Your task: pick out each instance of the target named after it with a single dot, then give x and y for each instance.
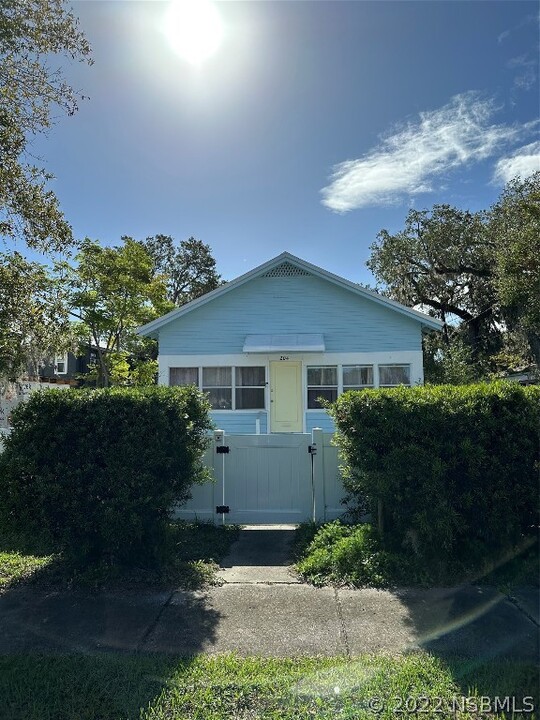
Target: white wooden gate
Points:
(269, 479)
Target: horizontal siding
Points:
(348, 322)
(319, 419)
(238, 422)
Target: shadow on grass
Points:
(489, 645)
(48, 604)
(84, 687)
(190, 561)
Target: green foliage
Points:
(478, 272)
(448, 363)
(441, 260)
(456, 468)
(163, 686)
(113, 291)
(34, 36)
(188, 268)
(515, 226)
(34, 321)
(99, 472)
(344, 554)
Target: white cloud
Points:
(407, 161)
(526, 72)
(524, 162)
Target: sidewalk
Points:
(262, 609)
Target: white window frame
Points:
(338, 385)
(61, 359)
(249, 387)
(206, 388)
(234, 386)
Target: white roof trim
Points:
(300, 342)
(151, 328)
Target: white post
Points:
(319, 510)
(219, 441)
(258, 426)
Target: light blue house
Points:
(267, 345)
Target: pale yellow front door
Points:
(286, 396)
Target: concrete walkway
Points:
(262, 609)
(261, 555)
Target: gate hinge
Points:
(222, 449)
(222, 509)
(312, 449)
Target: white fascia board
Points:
(427, 320)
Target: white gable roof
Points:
(290, 262)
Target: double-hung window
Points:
(228, 388)
(61, 364)
(250, 385)
(217, 382)
(322, 382)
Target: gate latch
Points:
(222, 509)
(312, 449)
(222, 449)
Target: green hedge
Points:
(97, 472)
(456, 468)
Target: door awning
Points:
(298, 342)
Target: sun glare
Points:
(194, 29)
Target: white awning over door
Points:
(297, 342)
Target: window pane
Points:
(184, 376)
(329, 376)
(250, 398)
(220, 398)
(250, 376)
(216, 377)
(357, 375)
(322, 376)
(329, 394)
(314, 376)
(60, 364)
(394, 375)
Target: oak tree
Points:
(189, 268)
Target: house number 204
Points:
(283, 357)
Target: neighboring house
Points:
(267, 345)
(527, 376)
(67, 367)
(61, 372)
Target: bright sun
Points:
(194, 29)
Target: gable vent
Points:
(286, 269)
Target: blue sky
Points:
(312, 127)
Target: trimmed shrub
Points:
(456, 468)
(98, 472)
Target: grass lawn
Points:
(129, 687)
(197, 548)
